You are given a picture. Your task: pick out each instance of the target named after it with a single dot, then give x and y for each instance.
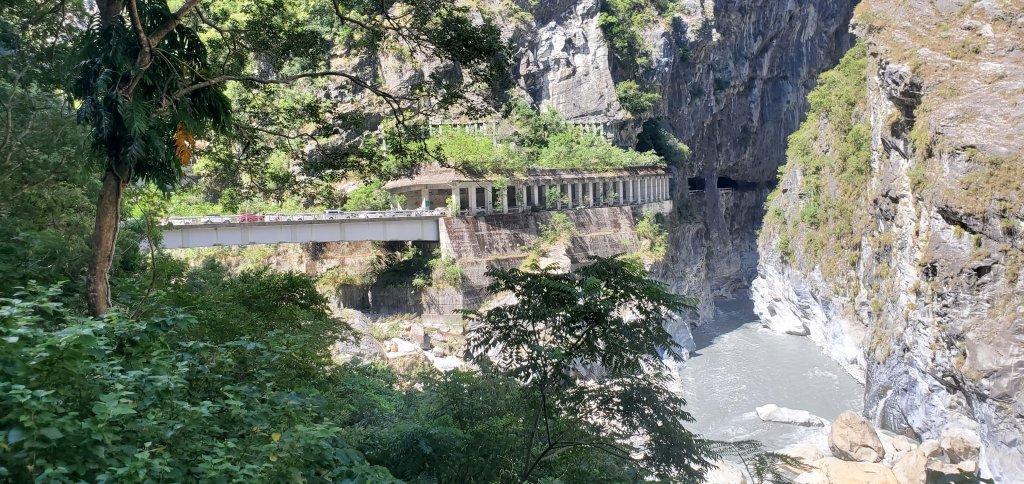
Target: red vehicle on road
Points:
(249, 217)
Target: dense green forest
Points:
(121, 364)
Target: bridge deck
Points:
(382, 226)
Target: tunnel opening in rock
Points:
(695, 184)
(726, 183)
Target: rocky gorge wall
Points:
(731, 78)
(915, 285)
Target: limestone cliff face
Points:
(732, 77)
(924, 298)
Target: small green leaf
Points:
(16, 435)
(51, 433)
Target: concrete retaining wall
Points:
(502, 241)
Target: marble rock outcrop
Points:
(928, 312)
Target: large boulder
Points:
(902, 443)
(852, 438)
(803, 418)
(419, 337)
(838, 471)
(960, 445)
(909, 467)
(814, 476)
(360, 344)
(930, 448)
(938, 471)
(806, 452)
(409, 363)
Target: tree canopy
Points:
(589, 348)
(159, 83)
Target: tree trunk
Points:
(109, 10)
(103, 242)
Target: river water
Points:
(739, 366)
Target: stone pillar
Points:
(503, 195)
(472, 199)
(590, 193)
(619, 195)
(488, 198)
(456, 198)
(536, 195)
(630, 189)
(568, 191)
(599, 195)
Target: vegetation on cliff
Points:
(829, 159)
(538, 140)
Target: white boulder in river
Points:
(775, 413)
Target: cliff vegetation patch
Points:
(537, 140)
(829, 161)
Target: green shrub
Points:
(785, 246)
(540, 140)
(371, 197)
(576, 149)
(445, 271)
(656, 137)
(653, 238)
(622, 21)
(635, 99)
(476, 153)
(809, 214)
(559, 228)
(123, 400)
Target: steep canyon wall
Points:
(732, 78)
(895, 238)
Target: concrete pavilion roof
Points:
(435, 176)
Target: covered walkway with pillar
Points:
(537, 189)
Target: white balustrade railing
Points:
(301, 217)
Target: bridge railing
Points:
(301, 217)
